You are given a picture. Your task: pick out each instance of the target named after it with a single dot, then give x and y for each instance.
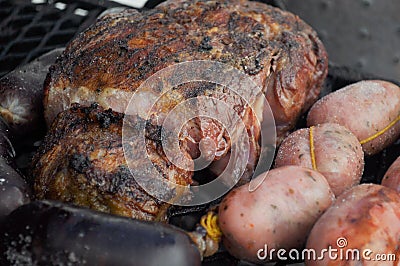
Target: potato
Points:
(370, 109)
(279, 213)
(392, 176)
(365, 218)
(338, 154)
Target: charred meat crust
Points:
(82, 161)
(279, 51)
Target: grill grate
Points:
(29, 29)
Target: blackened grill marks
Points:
(79, 163)
(107, 118)
(205, 44)
(252, 65)
(153, 132)
(194, 89)
(122, 178)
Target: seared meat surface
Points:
(113, 57)
(82, 161)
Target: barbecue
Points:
(81, 160)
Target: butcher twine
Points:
(210, 223)
(380, 132)
(210, 220)
(312, 152)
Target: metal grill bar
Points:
(29, 29)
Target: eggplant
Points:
(14, 191)
(21, 96)
(53, 233)
(7, 152)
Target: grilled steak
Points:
(82, 161)
(112, 58)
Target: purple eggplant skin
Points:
(14, 191)
(53, 233)
(7, 151)
(21, 97)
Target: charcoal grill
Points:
(30, 28)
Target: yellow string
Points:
(380, 132)
(210, 222)
(312, 153)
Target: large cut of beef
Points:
(82, 161)
(108, 62)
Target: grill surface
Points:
(363, 34)
(28, 30)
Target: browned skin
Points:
(112, 58)
(82, 161)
